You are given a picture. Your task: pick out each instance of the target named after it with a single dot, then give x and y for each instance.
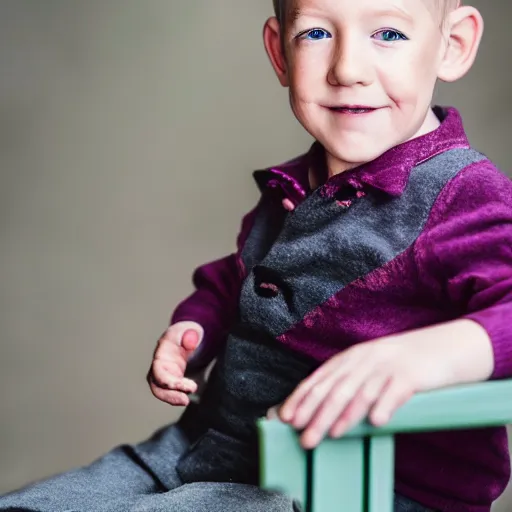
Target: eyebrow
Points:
(296, 12)
(393, 11)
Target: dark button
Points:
(267, 282)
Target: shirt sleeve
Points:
(214, 302)
(470, 241)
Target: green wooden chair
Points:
(355, 473)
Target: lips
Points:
(353, 109)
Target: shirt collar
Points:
(388, 173)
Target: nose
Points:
(350, 64)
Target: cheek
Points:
(301, 91)
(308, 76)
(408, 81)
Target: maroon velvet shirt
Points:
(459, 266)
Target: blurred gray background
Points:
(128, 131)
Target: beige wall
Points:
(128, 130)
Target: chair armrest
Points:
(485, 404)
(285, 466)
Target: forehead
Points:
(291, 9)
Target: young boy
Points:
(375, 266)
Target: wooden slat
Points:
(283, 463)
(338, 476)
(381, 473)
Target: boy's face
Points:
(362, 73)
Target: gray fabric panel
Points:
(119, 482)
(252, 375)
(267, 225)
(321, 249)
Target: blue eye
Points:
(316, 34)
(390, 36)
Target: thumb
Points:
(190, 340)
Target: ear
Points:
(274, 47)
(465, 27)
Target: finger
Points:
(288, 411)
(358, 408)
(190, 340)
(168, 336)
(171, 360)
(174, 367)
(313, 400)
(164, 371)
(396, 393)
(338, 389)
(167, 381)
(272, 413)
(168, 351)
(172, 333)
(289, 408)
(331, 407)
(171, 397)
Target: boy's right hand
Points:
(166, 377)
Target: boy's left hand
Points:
(373, 379)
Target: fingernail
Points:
(272, 414)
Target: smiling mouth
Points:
(353, 109)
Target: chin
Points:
(354, 155)
(356, 147)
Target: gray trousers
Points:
(142, 478)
